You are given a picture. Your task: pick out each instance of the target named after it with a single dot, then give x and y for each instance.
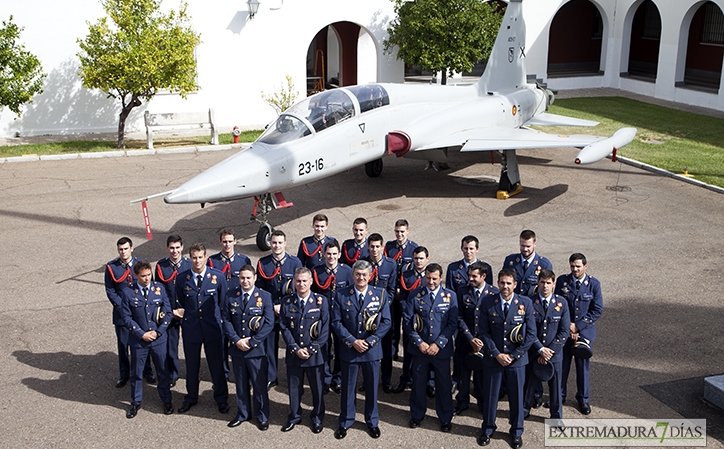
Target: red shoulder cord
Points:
(326, 285)
(160, 275)
(414, 284)
(306, 251)
(347, 258)
(260, 270)
(373, 275)
(397, 256)
(123, 278)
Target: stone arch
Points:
(701, 47)
(576, 50)
(644, 41)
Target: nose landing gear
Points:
(263, 205)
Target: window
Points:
(712, 28)
(597, 30)
(652, 21)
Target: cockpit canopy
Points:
(323, 110)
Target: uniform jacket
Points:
(469, 310)
(348, 322)
(457, 275)
(351, 251)
(401, 254)
(328, 281)
(118, 277)
(439, 320)
(495, 328)
(311, 251)
(584, 304)
(236, 319)
(384, 275)
(202, 315)
(277, 277)
(139, 314)
(552, 326)
(230, 266)
(167, 273)
(296, 323)
(529, 280)
(410, 280)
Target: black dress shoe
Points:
(374, 432)
(288, 426)
(264, 425)
(168, 408)
(272, 384)
(133, 410)
(459, 411)
(361, 388)
(537, 401)
(234, 422)
(173, 382)
(337, 388)
(548, 404)
(414, 423)
(517, 443)
(585, 408)
(120, 383)
(185, 407)
(325, 388)
(559, 425)
(150, 378)
(317, 427)
(430, 392)
(447, 427)
(400, 388)
(340, 433)
(484, 440)
(223, 407)
(387, 388)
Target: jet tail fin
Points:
(506, 66)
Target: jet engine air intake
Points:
(398, 143)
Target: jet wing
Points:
(509, 139)
(546, 119)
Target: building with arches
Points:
(661, 48)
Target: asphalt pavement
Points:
(652, 241)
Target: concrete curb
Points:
(662, 172)
(126, 153)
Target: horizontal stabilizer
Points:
(547, 119)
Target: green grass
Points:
(90, 146)
(667, 138)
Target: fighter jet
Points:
(335, 130)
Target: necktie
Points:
(246, 299)
(477, 294)
(525, 266)
(145, 292)
(198, 281)
(432, 297)
(505, 309)
(545, 305)
(361, 299)
(578, 284)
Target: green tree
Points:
(21, 75)
(136, 51)
(284, 98)
(443, 35)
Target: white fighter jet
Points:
(338, 129)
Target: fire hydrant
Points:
(236, 134)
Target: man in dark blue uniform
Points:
(470, 298)
(356, 248)
(384, 275)
(553, 322)
(146, 314)
(304, 322)
(311, 249)
(430, 319)
(248, 317)
(360, 318)
(118, 277)
(585, 303)
(199, 292)
(527, 264)
(167, 270)
(401, 251)
(410, 281)
(456, 276)
(329, 278)
(275, 274)
(507, 328)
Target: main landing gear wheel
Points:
(374, 169)
(509, 184)
(263, 237)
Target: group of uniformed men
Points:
(345, 309)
